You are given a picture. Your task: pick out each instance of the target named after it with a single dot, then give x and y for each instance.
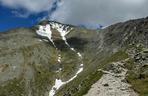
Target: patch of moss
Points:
(135, 76)
(42, 81)
(137, 80)
(88, 82)
(80, 85)
(15, 87)
(130, 64)
(118, 56)
(90, 75)
(139, 85)
(70, 64)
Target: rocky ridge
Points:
(33, 60)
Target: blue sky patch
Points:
(8, 20)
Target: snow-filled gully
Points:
(46, 32)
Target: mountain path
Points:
(112, 83)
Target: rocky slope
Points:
(63, 60)
(113, 82)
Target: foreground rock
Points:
(112, 84)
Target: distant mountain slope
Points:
(51, 55)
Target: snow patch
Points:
(46, 32)
(40, 40)
(63, 30)
(79, 55)
(59, 83)
(59, 58)
(59, 70)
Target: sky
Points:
(89, 13)
(9, 20)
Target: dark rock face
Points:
(28, 62)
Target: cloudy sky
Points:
(78, 12)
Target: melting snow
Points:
(79, 71)
(79, 55)
(59, 83)
(63, 32)
(72, 49)
(40, 40)
(46, 32)
(60, 69)
(59, 58)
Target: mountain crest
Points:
(53, 30)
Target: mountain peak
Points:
(54, 22)
(51, 29)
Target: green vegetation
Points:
(118, 56)
(70, 64)
(137, 79)
(15, 87)
(80, 85)
(90, 75)
(139, 85)
(87, 82)
(38, 66)
(137, 74)
(42, 80)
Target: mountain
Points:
(64, 60)
(91, 26)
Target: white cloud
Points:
(137, 2)
(32, 6)
(103, 12)
(79, 12)
(18, 14)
